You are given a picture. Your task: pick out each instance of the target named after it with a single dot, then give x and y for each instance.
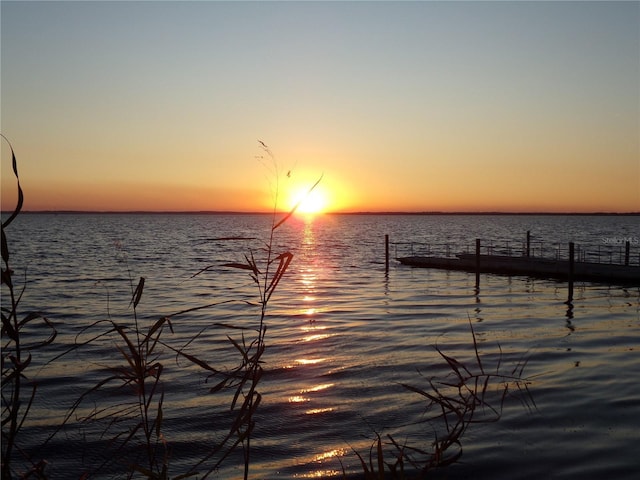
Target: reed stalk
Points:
(452, 404)
(18, 390)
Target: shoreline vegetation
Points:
(132, 429)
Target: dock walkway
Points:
(575, 263)
(529, 266)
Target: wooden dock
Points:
(530, 266)
(567, 265)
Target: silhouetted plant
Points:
(18, 391)
(138, 418)
(136, 423)
(243, 379)
(467, 395)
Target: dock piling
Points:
(627, 250)
(477, 263)
(386, 253)
(528, 243)
(571, 261)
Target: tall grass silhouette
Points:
(469, 394)
(23, 334)
(133, 424)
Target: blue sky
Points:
(514, 106)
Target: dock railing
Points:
(619, 253)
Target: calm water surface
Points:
(342, 337)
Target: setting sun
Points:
(310, 202)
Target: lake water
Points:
(343, 335)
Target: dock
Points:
(531, 267)
(570, 263)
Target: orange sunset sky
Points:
(400, 106)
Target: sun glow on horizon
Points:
(311, 202)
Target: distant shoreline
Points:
(407, 213)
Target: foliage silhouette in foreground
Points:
(468, 394)
(145, 351)
(18, 390)
(133, 424)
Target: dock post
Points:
(386, 253)
(528, 243)
(571, 260)
(477, 263)
(627, 250)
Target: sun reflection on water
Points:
(298, 399)
(336, 452)
(317, 388)
(320, 474)
(309, 271)
(315, 336)
(316, 411)
(319, 459)
(322, 457)
(309, 277)
(309, 361)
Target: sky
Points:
(396, 106)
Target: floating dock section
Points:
(572, 264)
(530, 266)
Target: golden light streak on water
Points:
(336, 452)
(320, 474)
(317, 388)
(317, 336)
(316, 411)
(309, 361)
(322, 457)
(298, 399)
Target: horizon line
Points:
(363, 212)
